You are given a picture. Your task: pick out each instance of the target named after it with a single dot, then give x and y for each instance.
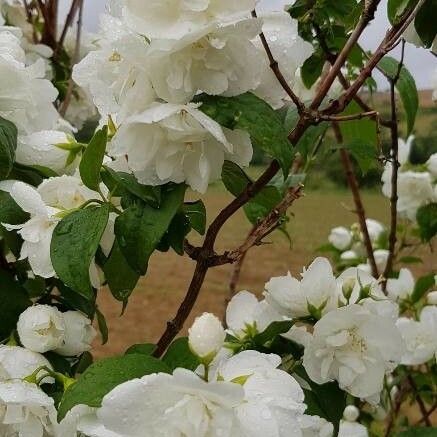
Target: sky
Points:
(420, 62)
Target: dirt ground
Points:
(159, 293)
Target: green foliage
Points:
(406, 86)
(196, 213)
(8, 145)
(427, 221)
(13, 301)
(145, 349)
(425, 22)
(423, 284)
(74, 245)
(100, 378)
(418, 432)
(10, 212)
(119, 275)
(272, 331)
(140, 228)
(179, 355)
(312, 68)
(103, 326)
(92, 160)
(395, 8)
(250, 113)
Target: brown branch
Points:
(420, 402)
(76, 56)
(359, 207)
(277, 71)
(366, 18)
(428, 415)
(68, 23)
(394, 155)
(361, 115)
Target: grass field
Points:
(160, 292)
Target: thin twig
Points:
(68, 22)
(340, 118)
(394, 155)
(359, 207)
(277, 71)
(76, 56)
(420, 402)
(428, 414)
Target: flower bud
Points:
(79, 334)
(41, 328)
(348, 287)
(351, 413)
(340, 238)
(431, 298)
(206, 337)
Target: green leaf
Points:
(424, 284)
(196, 212)
(179, 228)
(8, 145)
(13, 301)
(120, 277)
(140, 228)
(312, 68)
(103, 326)
(411, 260)
(120, 183)
(92, 159)
(144, 349)
(74, 245)
(76, 301)
(365, 130)
(425, 22)
(395, 8)
(364, 153)
(406, 86)
(272, 331)
(418, 432)
(255, 116)
(102, 377)
(427, 221)
(179, 355)
(10, 212)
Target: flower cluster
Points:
(348, 248)
(417, 184)
(154, 58)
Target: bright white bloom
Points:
(174, 19)
(355, 347)
(402, 287)
(176, 405)
(41, 328)
(381, 257)
(206, 336)
(352, 429)
(288, 48)
(420, 337)
(340, 238)
(49, 149)
(215, 60)
(351, 413)
(25, 410)
(78, 334)
(18, 363)
(359, 283)
(245, 314)
(115, 74)
(432, 165)
(315, 426)
(349, 256)
(272, 397)
(315, 294)
(178, 143)
(375, 228)
(431, 298)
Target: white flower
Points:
(375, 228)
(78, 334)
(315, 293)
(25, 410)
(115, 74)
(272, 397)
(206, 336)
(41, 328)
(245, 314)
(352, 429)
(176, 18)
(49, 149)
(340, 238)
(359, 284)
(288, 48)
(419, 336)
(315, 426)
(402, 287)
(17, 363)
(381, 258)
(355, 347)
(176, 405)
(350, 256)
(351, 413)
(431, 298)
(215, 60)
(432, 165)
(178, 143)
